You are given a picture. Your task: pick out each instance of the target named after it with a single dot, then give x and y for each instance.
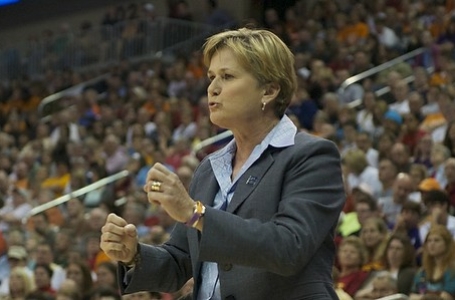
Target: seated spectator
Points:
(387, 173)
(359, 171)
(418, 173)
(436, 277)
(410, 133)
(80, 273)
(20, 284)
(439, 154)
(399, 260)
(391, 206)
(365, 207)
(42, 275)
(408, 223)
(365, 116)
(352, 255)
(382, 285)
(422, 151)
(364, 142)
(401, 157)
(437, 204)
(15, 209)
(374, 234)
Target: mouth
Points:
(213, 104)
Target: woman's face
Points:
(105, 277)
(42, 278)
(348, 256)
(234, 95)
(74, 273)
(371, 235)
(395, 252)
(435, 245)
(16, 283)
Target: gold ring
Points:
(156, 186)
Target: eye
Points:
(227, 76)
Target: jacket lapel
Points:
(250, 180)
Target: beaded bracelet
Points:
(198, 213)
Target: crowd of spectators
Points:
(396, 233)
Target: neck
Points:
(246, 140)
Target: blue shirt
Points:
(282, 135)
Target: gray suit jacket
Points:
(275, 241)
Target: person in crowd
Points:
(80, 273)
(374, 234)
(387, 173)
(364, 142)
(20, 285)
(359, 171)
(391, 206)
(408, 223)
(437, 205)
(17, 258)
(106, 275)
(365, 207)
(400, 260)
(237, 179)
(352, 255)
(401, 157)
(383, 285)
(43, 275)
(439, 154)
(436, 277)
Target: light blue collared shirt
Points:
(282, 135)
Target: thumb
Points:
(131, 230)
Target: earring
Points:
(263, 105)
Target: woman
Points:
(80, 273)
(399, 260)
(352, 255)
(374, 234)
(20, 285)
(263, 228)
(437, 275)
(106, 275)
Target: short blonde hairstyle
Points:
(264, 55)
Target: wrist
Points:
(136, 258)
(198, 213)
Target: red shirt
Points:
(351, 283)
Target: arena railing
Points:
(78, 193)
(379, 68)
(110, 179)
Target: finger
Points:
(131, 230)
(110, 237)
(116, 220)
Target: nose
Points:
(213, 88)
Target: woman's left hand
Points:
(165, 188)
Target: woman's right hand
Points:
(119, 239)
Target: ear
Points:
(271, 91)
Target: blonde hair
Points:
(355, 160)
(264, 54)
(358, 244)
(29, 284)
(378, 251)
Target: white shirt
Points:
(400, 107)
(425, 227)
(368, 176)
